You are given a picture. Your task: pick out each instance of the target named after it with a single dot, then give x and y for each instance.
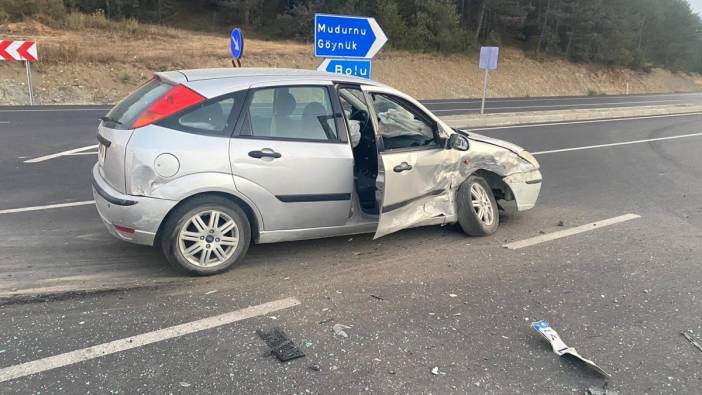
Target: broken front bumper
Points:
(525, 187)
(135, 219)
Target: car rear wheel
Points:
(206, 236)
(478, 214)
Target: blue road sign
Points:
(236, 43)
(356, 67)
(338, 36)
(488, 57)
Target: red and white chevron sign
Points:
(18, 50)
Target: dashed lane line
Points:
(100, 350)
(46, 207)
(516, 245)
(59, 154)
(682, 136)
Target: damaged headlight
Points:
(527, 156)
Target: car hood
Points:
(497, 142)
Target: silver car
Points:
(201, 163)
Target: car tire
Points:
(206, 236)
(478, 214)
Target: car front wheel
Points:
(206, 236)
(478, 214)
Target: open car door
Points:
(414, 168)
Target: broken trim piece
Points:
(280, 344)
(560, 348)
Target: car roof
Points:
(255, 75)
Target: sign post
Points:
(488, 61)
(29, 81)
(348, 42)
(236, 46)
(21, 51)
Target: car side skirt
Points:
(277, 236)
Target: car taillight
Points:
(177, 99)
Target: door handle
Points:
(404, 166)
(264, 154)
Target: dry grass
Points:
(97, 60)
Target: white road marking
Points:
(617, 144)
(82, 153)
(47, 207)
(604, 105)
(4, 122)
(532, 125)
(69, 358)
(59, 154)
(569, 232)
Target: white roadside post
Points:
(485, 87)
(29, 81)
(25, 51)
(488, 61)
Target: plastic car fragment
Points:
(281, 346)
(560, 348)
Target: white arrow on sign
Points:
(380, 38)
(324, 65)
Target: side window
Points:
(214, 117)
(401, 124)
(303, 112)
(356, 111)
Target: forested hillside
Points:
(639, 34)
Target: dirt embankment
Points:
(101, 61)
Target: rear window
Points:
(123, 115)
(215, 117)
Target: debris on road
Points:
(560, 348)
(453, 296)
(322, 322)
(435, 371)
(314, 367)
(601, 391)
(210, 292)
(339, 330)
(377, 297)
(184, 384)
(281, 346)
(692, 340)
(561, 223)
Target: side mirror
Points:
(458, 142)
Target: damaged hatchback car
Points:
(203, 163)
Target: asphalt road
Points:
(414, 300)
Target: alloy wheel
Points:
(482, 204)
(209, 238)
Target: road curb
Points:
(521, 118)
